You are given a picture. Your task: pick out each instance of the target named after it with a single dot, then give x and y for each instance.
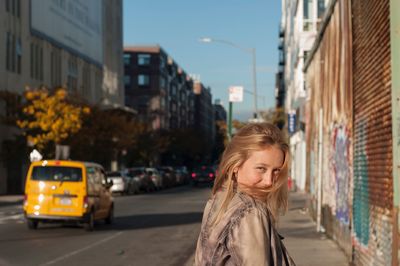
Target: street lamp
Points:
(251, 51)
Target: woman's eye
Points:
(276, 172)
(261, 169)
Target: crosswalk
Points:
(11, 215)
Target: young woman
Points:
(249, 193)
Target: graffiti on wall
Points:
(361, 215)
(341, 168)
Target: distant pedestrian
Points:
(249, 193)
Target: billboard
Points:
(75, 25)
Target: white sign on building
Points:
(75, 25)
(236, 94)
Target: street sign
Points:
(292, 122)
(236, 94)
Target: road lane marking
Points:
(12, 217)
(73, 253)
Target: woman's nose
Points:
(267, 178)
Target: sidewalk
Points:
(305, 245)
(8, 200)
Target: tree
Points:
(187, 146)
(49, 118)
(275, 116)
(106, 135)
(149, 147)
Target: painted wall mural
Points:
(341, 165)
(361, 215)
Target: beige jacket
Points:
(244, 236)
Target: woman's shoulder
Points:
(242, 206)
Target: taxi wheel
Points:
(32, 224)
(89, 225)
(110, 217)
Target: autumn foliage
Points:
(50, 117)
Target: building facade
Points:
(220, 112)
(158, 88)
(351, 129)
(58, 44)
(164, 94)
(301, 20)
(204, 111)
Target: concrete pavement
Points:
(305, 245)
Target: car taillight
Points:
(211, 175)
(85, 202)
(25, 199)
(193, 175)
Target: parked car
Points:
(123, 183)
(155, 177)
(203, 174)
(182, 175)
(64, 191)
(168, 174)
(145, 182)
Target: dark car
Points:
(168, 176)
(203, 174)
(146, 184)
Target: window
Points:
(307, 15)
(19, 55)
(173, 107)
(40, 63)
(11, 53)
(173, 90)
(162, 82)
(162, 62)
(321, 8)
(143, 80)
(13, 7)
(305, 54)
(127, 80)
(163, 103)
(127, 59)
(86, 84)
(18, 8)
(36, 61)
(57, 173)
(8, 50)
(144, 59)
(72, 79)
(55, 64)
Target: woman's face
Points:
(262, 168)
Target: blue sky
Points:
(176, 25)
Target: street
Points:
(150, 229)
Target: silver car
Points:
(155, 177)
(123, 183)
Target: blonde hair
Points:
(250, 138)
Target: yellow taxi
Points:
(63, 191)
